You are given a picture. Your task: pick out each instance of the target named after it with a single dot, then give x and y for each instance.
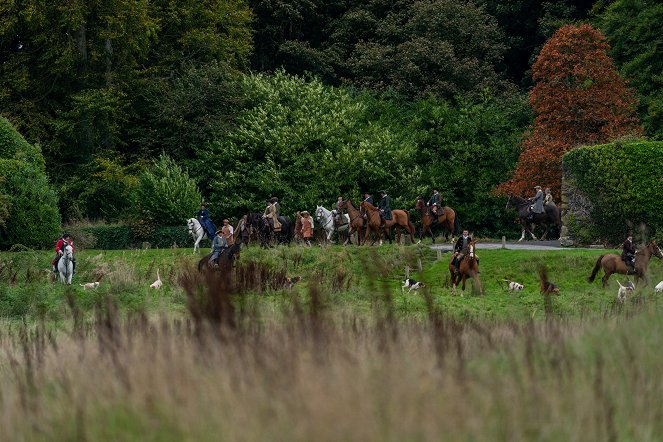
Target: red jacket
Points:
(60, 244)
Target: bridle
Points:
(194, 231)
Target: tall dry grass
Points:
(232, 372)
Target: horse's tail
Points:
(597, 267)
(456, 224)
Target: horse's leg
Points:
(462, 290)
(531, 232)
(522, 237)
(453, 282)
(545, 233)
(606, 275)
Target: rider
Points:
(461, 249)
(536, 203)
(338, 213)
(219, 245)
(628, 252)
(549, 198)
(307, 227)
(228, 232)
(205, 221)
(59, 250)
(434, 203)
(368, 199)
(272, 213)
(384, 206)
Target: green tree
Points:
(28, 206)
(632, 29)
(165, 194)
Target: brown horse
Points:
(356, 220)
(612, 263)
(446, 219)
(399, 218)
(469, 268)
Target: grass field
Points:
(342, 356)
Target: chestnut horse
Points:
(469, 268)
(446, 219)
(399, 218)
(612, 263)
(356, 220)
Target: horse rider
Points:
(460, 249)
(63, 242)
(548, 198)
(307, 227)
(228, 232)
(339, 219)
(536, 202)
(219, 245)
(385, 207)
(434, 203)
(205, 221)
(272, 213)
(369, 200)
(628, 253)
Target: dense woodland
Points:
(141, 108)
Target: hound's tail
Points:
(597, 267)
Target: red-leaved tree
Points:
(579, 99)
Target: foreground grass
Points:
(232, 374)
(352, 278)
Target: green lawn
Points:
(352, 278)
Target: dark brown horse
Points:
(612, 263)
(446, 219)
(225, 261)
(399, 218)
(550, 215)
(356, 220)
(469, 268)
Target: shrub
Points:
(165, 194)
(115, 237)
(623, 182)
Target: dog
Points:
(410, 284)
(291, 281)
(659, 287)
(546, 285)
(90, 285)
(158, 283)
(624, 291)
(514, 286)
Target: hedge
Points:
(115, 237)
(624, 183)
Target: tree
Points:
(579, 99)
(632, 29)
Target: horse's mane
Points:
(518, 198)
(351, 203)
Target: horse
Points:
(226, 259)
(469, 268)
(612, 263)
(356, 220)
(399, 218)
(197, 232)
(550, 215)
(266, 232)
(447, 219)
(326, 220)
(66, 265)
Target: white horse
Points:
(326, 220)
(66, 265)
(196, 230)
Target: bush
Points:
(31, 214)
(622, 180)
(116, 237)
(165, 195)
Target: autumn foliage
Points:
(579, 99)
